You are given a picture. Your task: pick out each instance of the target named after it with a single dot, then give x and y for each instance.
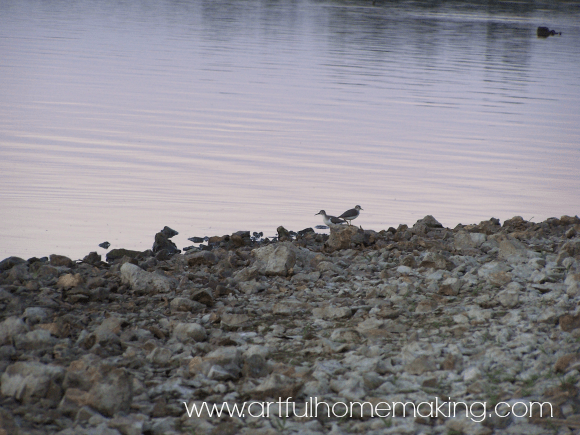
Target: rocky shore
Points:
(483, 317)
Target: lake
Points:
(118, 118)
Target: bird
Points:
(351, 214)
(330, 220)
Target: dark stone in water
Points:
(321, 227)
(305, 231)
(544, 32)
(105, 245)
(197, 239)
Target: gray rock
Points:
(10, 328)
(28, 382)
(189, 332)
(331, 312)
(276, 259)
(342, 236)
(145, 282)
(112, 392)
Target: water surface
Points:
(118, 118)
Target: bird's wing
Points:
(349, 213)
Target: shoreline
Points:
(487, 315)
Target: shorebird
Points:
(330, 220)
(351, 214)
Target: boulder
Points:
(276, 259)
(145, 282)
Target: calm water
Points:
(118, 118)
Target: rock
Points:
(29, 382)
(189, 332)
(179, 305)
(420, 365)
(241, 238)
(341, 237)
(332, 312)
(496, 273)
(104, 245)
(203, 296)
(233, 321)
(69, 280)
(10, 328)
(509, 297)
(450, 286)
(117, 254)
(276, 259)
(423, 226)
(93, 258)
(145, 282)
(426, 306)
(203, 258)
(162, 242)
(10, 262)
(434, 260)
(510, 248)
(572, 248)
(274, 386)
(464, 240)
(60, 260)
(112, 392)
(568, 322)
